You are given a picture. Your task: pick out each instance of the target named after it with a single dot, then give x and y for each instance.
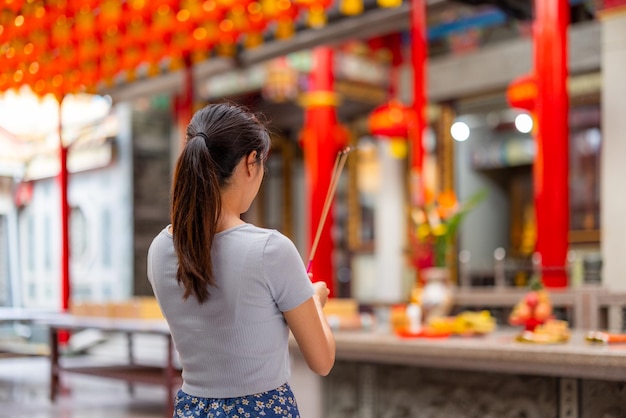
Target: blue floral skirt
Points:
(279, 402)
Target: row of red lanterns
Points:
(66, 46)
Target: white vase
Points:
(437, 292)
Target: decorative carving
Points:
(341, 390)
(600, 399)
(431, 393)
(364, 390)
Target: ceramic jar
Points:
(437, 292)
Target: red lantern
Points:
(154, 52)
(257, 23)
(286, 14)
(89, 75)
(227, 37)
(14, 5)
(110, 14)
(211, 12)
(163, 20)
(390, 120)
(522, 93)
(84, 24)
(316, 11)
(205, 36)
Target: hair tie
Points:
(205, 137)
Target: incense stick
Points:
(340, 161)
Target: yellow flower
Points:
(440, 230)
(423, 231)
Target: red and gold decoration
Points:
(534, 312)
(68, 46)
(533, 309)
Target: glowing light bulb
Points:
(460, 131)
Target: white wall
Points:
(613, 167)
(103, 269)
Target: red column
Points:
(65, 222)
(419, 48)
(551, 167)
(65, 213)
(320, 149)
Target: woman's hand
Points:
(312, 332)
(322, 291)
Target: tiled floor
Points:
(24, 384)
(24, 388)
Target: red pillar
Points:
(551, 167)
(320, 149)
(65, 213)
(65, 222)
(419, 48)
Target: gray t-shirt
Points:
(236, 343)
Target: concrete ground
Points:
(25, 383)
(24, 392)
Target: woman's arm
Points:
(312, 332)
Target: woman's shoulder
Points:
(272, 237)
(162, 242)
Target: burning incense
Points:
(340, 161)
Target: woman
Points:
(231, 291)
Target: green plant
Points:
(436, 224)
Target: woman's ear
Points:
(252, 157)
(251, 160)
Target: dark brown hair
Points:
(218, 137)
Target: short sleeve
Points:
(285, 273)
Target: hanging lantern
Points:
(351, 7)
(389, 3)
(131, 58)
(204, 37)
(256, 26)
(109, 67)
(522, 93)
(163, 20)
(211, 11)
(68, 57)
(153, 54)
(14, 5)
(286, 14)
(61, 30)
(392, 121)
(4, 82)
(227, 38)
(182, 42)
(316, 11)
(89, 75)
(110, 14)
(193, 8)
(84, 24)
(136, 30)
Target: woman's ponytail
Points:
(196, 203)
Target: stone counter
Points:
(497, 352)
(384, 376)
